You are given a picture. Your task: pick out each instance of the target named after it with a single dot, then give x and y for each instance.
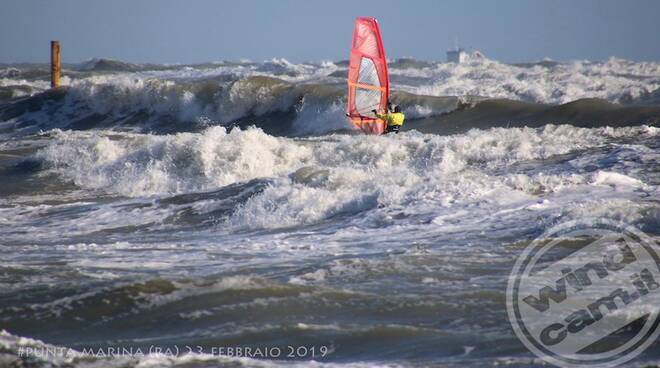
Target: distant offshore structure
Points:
(459, 55)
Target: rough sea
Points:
(174, 215)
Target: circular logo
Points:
(586, 293)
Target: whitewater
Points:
(231, 204)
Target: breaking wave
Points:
(615, 80)
(284, 98)
(148, 104)
(314, 179)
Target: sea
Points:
(228, 214)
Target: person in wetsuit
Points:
(394, 119)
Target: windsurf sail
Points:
(368, 81)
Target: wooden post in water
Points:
(55, 64)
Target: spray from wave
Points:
(314, 179)
(301, 99)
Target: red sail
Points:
(368, 81)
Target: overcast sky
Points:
(167, 31)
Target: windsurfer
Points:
(393, 119)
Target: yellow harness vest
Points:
(393, 118)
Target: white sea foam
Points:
(615, 80)
(38, 85)
(616, 179)
(113, 97)
(141, 164)
(316, 179)
(308, 99)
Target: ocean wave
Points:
(138, 164)
(149, 104)
(293, 99)
(615, 80)
(340, 176)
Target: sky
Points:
(193, 31)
